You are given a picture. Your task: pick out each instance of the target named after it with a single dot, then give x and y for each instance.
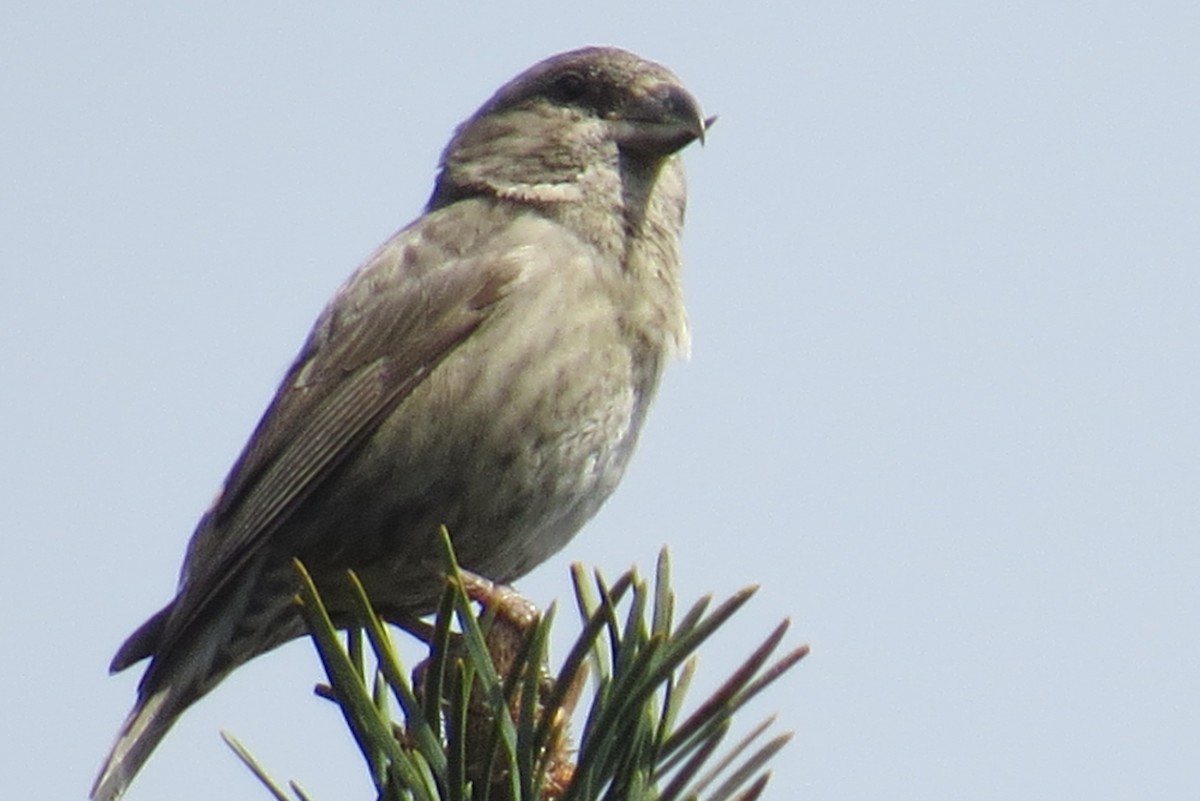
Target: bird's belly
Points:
(512, 451)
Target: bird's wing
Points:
(409, 307)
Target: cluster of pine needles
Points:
(485, 720)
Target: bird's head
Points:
(569, 124)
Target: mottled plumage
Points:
(488, 368)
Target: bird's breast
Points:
(512, 442)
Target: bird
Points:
(487, 369)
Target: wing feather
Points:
(388, 328)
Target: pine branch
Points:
(485, 721)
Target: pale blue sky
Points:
(942, 267)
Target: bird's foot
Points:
(501, 599)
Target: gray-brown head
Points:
(542, 133)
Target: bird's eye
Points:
(569, 87)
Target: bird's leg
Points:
(511, 617)
(512, 620)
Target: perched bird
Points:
(487, 369)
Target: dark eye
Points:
(568, 87)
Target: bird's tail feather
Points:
(146, 725)
(238, 625)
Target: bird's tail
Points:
(146, 725)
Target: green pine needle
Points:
(486, 720)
